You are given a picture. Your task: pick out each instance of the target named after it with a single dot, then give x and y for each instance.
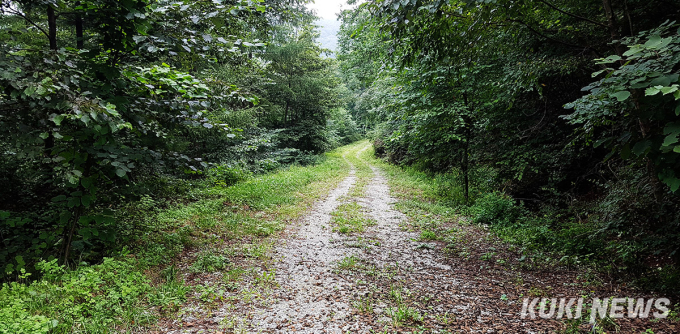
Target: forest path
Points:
(318, 292)
(359, 261)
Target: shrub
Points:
(209, 262)
(227, 175)
(495, 208)
(379, 147)
(89, 299)
(268, 165)
(309, 159)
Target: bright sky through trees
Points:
(328, 9)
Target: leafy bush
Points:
(450, 185)
(379, 147)
(226, 175)
(495, 208)
(269, 165)
(309, 159)
(209, 262)
(90, 298)
(15, 319)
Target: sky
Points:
(327, 9)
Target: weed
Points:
(539, 292)
(396, 295)
(259, 250)
(267, 278)
(571, 326)
(210, 294)
(445, 318)
(349, 218)
(402, 314)
(209, 262)
(428, 235)
(487, 256)
(425, 246)
(90, 298)
(348, 262)
(518, 280)
(364, 304)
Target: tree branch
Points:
(573, 15)
(548, 37)
(18, 13)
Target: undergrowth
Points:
(548, 233)
(139, 282)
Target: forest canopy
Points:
(106, 102)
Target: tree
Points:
(88, 118)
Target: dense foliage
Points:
(106, 102)
(493, 91)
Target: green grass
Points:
(348, 262)
(359, 156)
(127, 293)
(349, 218)
(105, 298)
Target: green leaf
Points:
(608, 60)
(672, 129)
(57, 119)
(641, 147)
(44, 135)
(73, 202)
(652, 91)
(86, 200)
(622, 95)
(625, 152)
(29, 91)
(597, 73)
(668, 90)
(661, 81)
(635, 49)
(653, 41)
(87, 182)
(670, 140)
(673, 183)
(59, 198)
(120, 172)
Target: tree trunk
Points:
(466, 171)
(52, 24)
(466, 158)
(285, 114)
(631, 30)
(52, 36)
(613, 26)
(68, 233)
(79, 28)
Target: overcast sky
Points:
(328, 9)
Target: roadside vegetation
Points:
(555, 125)
(497, 259)
(224, 236)
(153, 153)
